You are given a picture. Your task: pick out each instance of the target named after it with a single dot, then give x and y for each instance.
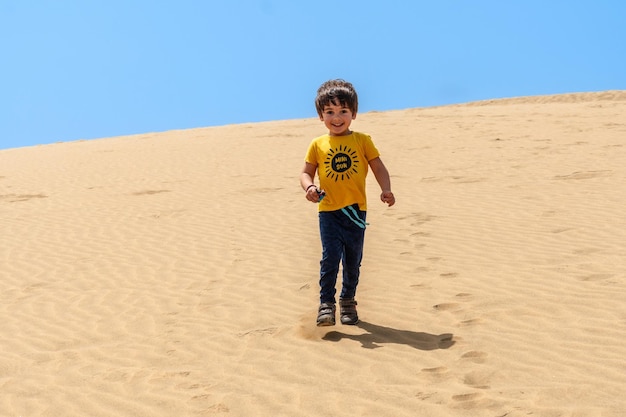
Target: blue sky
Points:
(83, 69)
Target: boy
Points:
(341, 159)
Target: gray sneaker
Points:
(326, 314)
(348, 312)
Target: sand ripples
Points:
(175, 273)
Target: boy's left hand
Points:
(387, 197)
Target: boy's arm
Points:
(306, 181)
(382, 177)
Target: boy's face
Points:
(337, 119)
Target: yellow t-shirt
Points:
(342, 164)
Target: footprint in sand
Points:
(466, 397)
(437, 370)
(421, 286)
(463, 297)
(473, 400)
(417, 219)
(437, 374)
(447, 306)
(475, 356)
(470, 322)
(477, 380)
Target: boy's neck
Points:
(346, 133)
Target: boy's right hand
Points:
(315, 195)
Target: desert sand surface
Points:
(175, 274)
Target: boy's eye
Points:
(331, 112)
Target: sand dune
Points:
(175, 274)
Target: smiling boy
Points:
(341, 159)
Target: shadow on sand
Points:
(377, 335)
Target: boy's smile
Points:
(337, 119)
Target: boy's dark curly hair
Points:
(337, 92)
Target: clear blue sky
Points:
(83, 69)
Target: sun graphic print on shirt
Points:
(341, 163)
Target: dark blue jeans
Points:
(342, 241)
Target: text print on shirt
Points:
(341, 163)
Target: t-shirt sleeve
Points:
(311, 154)
(371, 152)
